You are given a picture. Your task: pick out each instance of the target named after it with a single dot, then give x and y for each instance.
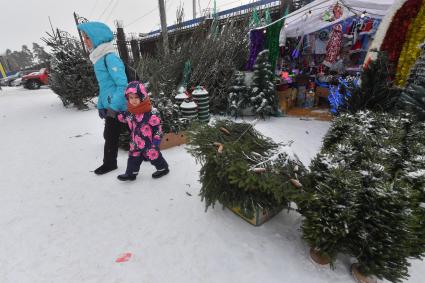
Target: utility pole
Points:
(79, 33)
(194, 8)
(163, 25)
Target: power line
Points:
(109, 4)
(142, 16)
(112, 10)
(148, 13)
(92, 9)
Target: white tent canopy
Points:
(302, 21)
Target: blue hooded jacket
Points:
(109, 68)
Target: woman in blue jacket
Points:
(110, 74)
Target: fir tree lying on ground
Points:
(242, 168)
(366, 193)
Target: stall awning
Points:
(309, 18)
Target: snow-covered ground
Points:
(59, 222)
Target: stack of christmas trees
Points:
(364, 194)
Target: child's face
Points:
(87, 41)
(134, 99)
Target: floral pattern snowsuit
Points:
(146, 134)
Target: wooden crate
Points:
(259, 217)
(172, 139)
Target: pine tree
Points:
(71, 76)
(169, 112)
(40, 54)
(263, 94)
(362, 199)
(239, 97)
(375, 92)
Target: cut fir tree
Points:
(242, 168)
(72, 76)
(364, 199)
(263, 94)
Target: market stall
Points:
(317, 45)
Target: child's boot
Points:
(133, 166)
(161, 167)
(127, 177)
(160, 173)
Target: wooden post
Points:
(121, 42)
(163, 25)
(79, 33)
(135, 50)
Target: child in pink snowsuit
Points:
(145, 127)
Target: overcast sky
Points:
(26, 21)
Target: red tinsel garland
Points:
(397, 31)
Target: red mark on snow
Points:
(124, 257)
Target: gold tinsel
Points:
(411, 50)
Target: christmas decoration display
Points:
(365, 193)
(189, 110)
(254, 21)
(239, 96)
(399, 35)
(272, 42)
(411, 48)
(263, 95)
(201, 98)
(333, 49)
(417, 72)
(181, 96)
(71, 73)
(242, 168)
(413, 96)
(257, 39)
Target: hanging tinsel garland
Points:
(257, 39)
(411, 50)
(397, 31)
(272, 42)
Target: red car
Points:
(36, 79)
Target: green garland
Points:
(272, 42)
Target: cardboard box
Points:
(172, 139)
(259, 216)
(321, 92)
(285, 100)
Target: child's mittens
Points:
(121, 118)
(102, 113)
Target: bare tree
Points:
(180, 15)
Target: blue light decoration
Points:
(338, 93)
